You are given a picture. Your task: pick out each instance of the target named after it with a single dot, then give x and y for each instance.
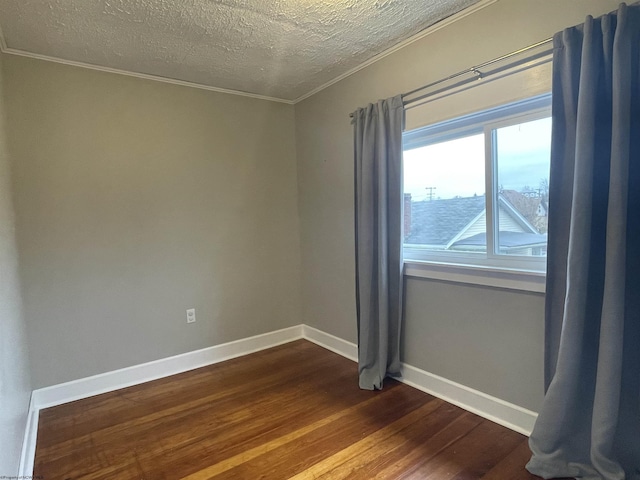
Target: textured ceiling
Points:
(276, 48)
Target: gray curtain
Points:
(589, 424)
(378, 235)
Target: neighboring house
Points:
(460, 224)
(532, 205)
(543, 209)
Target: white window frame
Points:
(490, 267)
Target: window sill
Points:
(512, 279)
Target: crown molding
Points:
(145, 76)
(414, 38)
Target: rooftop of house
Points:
(507, 240)
(437, 222)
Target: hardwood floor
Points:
(290, 412)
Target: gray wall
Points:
(486, 338)
(482, 337)
(15, 388)
(136, 200)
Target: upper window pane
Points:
(523, 154)
(444, 185)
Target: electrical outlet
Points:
(191, 315)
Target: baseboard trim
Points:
(27, 457)
(504, 413)
(509, 415)
(330, 342)
(499, 411)
(492, 408)
(145, 372)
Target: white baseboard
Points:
(28, 454)
(499, 411)
(331, 342)
(145, 372)
(492, 408)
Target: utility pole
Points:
(431, 193)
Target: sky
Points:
(456, 167)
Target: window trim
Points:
(505, 278)
(487, 268)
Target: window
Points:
(476, 188)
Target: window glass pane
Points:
(444, 185)
(523, 153)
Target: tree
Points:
(544, 189)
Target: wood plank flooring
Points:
(290, 412)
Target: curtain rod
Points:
(476, 71)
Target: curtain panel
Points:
(378, 239)
(589, 424)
